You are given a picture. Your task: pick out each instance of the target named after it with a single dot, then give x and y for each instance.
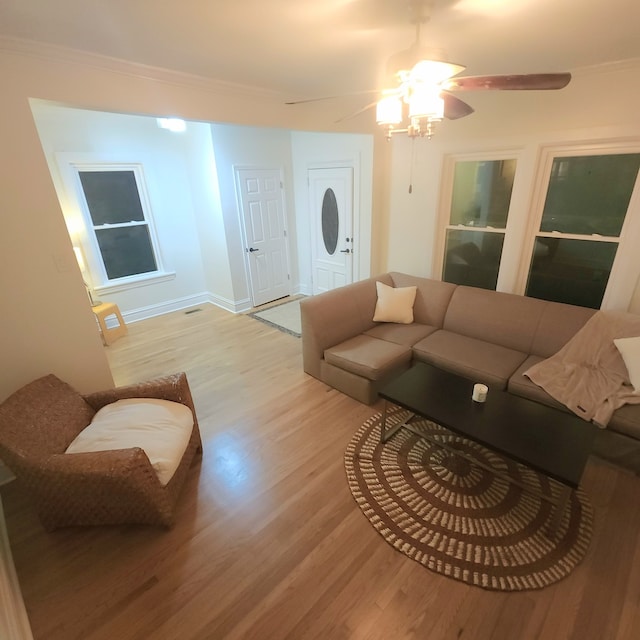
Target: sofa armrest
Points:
(173, 387)
(335, 316)
(100, 487)
(85, 473)
(92, 466)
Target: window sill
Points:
(135, 281)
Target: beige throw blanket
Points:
(588, 374)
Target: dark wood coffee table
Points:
(548, 440)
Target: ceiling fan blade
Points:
(525, 82)
(342, 95)
(455, 108)
(357, 113)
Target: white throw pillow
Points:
(629, 349)
(161, 428)
(394, 304)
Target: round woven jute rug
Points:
(461, 520)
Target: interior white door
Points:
(332, 243)
(265, 233)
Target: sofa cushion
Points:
(432, 298)
(394, 304)
(406, 334)
(475, 359)
(504, 319)
(161, 428)
(625, 420)
(521, 386)
(558, 323)
(368, 357)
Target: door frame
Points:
(352, 163)
(237, 168)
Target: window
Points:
(120, 220)
(477, 220)
(580, 227)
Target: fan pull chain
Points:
(413, 158)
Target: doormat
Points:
(284, 316)
(459, 520)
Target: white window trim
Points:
(95, 255)
(446, 195)
(619, 291)
(131, 282)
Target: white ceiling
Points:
(307, 48)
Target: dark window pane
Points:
(590, 194)
(472, 258)
(482, 193)
(126, 251)
(112, 196)
(571, 271)
(330, 221)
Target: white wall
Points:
(257, 148)
(76, 135)
(205, 194)
(190, 182)
(47, 325)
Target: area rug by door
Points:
(459, 520)
(284, 316)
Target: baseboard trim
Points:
(237, 306)
(144, 313)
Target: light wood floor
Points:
(269, 542)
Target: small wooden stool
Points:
(102, 311)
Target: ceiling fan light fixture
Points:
(434, 71)
(425, 101)
(389, 110)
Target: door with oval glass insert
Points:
(332, 246)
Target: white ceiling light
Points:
(177, 125)
(424, 100)
(389, 110)
(420, 73)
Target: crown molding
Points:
(65, 55)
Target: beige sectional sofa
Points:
(488, 336)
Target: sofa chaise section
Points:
(346, 349)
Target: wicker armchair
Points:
(40, 420)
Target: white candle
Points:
(480, 392)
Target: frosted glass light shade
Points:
(434, 71)
(389, 110)
(426, 102)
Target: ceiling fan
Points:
(422, 81)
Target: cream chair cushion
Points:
(161, 428)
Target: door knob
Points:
(251, 250)
(345, 251)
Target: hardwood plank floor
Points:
(269, 543)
